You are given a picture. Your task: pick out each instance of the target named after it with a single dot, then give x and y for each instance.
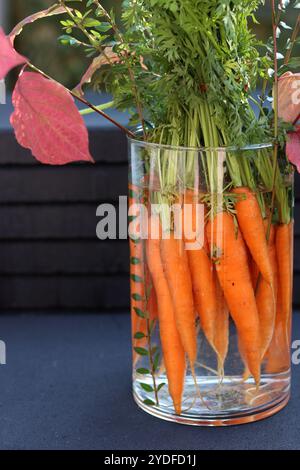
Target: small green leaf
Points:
(143, 371)
(132, 194)
(136, 278)
(91, 22)
(135, 240)
(139, 335)
(141, 351)
(149, 402)
(139, 312)
(147, 388)
(160, 386)
(135, 260)
(137, 297)
(68, 40)
(78, 14)
(156, 362)
(104, 27)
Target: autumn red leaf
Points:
(293, 148)
(9, 57)
(289, 96)
(47, 121)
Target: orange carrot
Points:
(173, 352)
(266, 296)
(152, 307)
(221, 336)
(252, 227)
(278, 355)
(175, 264)
(284, 250)
(229, 252)
(202, 274)
(137, 281)
(254, 271)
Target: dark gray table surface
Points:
(66, 385)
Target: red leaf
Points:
(54, 10)
(289, 96)
(9, 57)
(47, 121)
(293, 149)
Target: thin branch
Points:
(85, 102)
(274, 27)
(293, 41)
(297, 119)
(275, 22)
(130, 71)
(99, 48)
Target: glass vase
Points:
(211, 246)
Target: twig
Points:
(130, 71)
(296, 120)
(275, 153)
(293, 41)
(84, 101)
(100, 48)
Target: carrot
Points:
(137, 281)
(152, 307)
(278, 354)
(284, 250)
(230, 254)
(252, 227)
(202, 274)
(266, 296)
(254, 272)
(175, 264)
(221, 336)
(173, 352)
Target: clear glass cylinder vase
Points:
(211, 246)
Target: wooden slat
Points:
(297, 255)
(55, 221)
(48, 222)
(297, 185)
(297, 220)
(64, 257)
(65, 184)
(73, 292)
(106, 145)
(296, 296)
(62, 292)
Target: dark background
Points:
(50, 258)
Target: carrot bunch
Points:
(242, 269)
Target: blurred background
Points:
(64, 63)
(50, 258)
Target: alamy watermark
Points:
(2, 92)
(296, 352)
(185, 221)
(2, 353)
